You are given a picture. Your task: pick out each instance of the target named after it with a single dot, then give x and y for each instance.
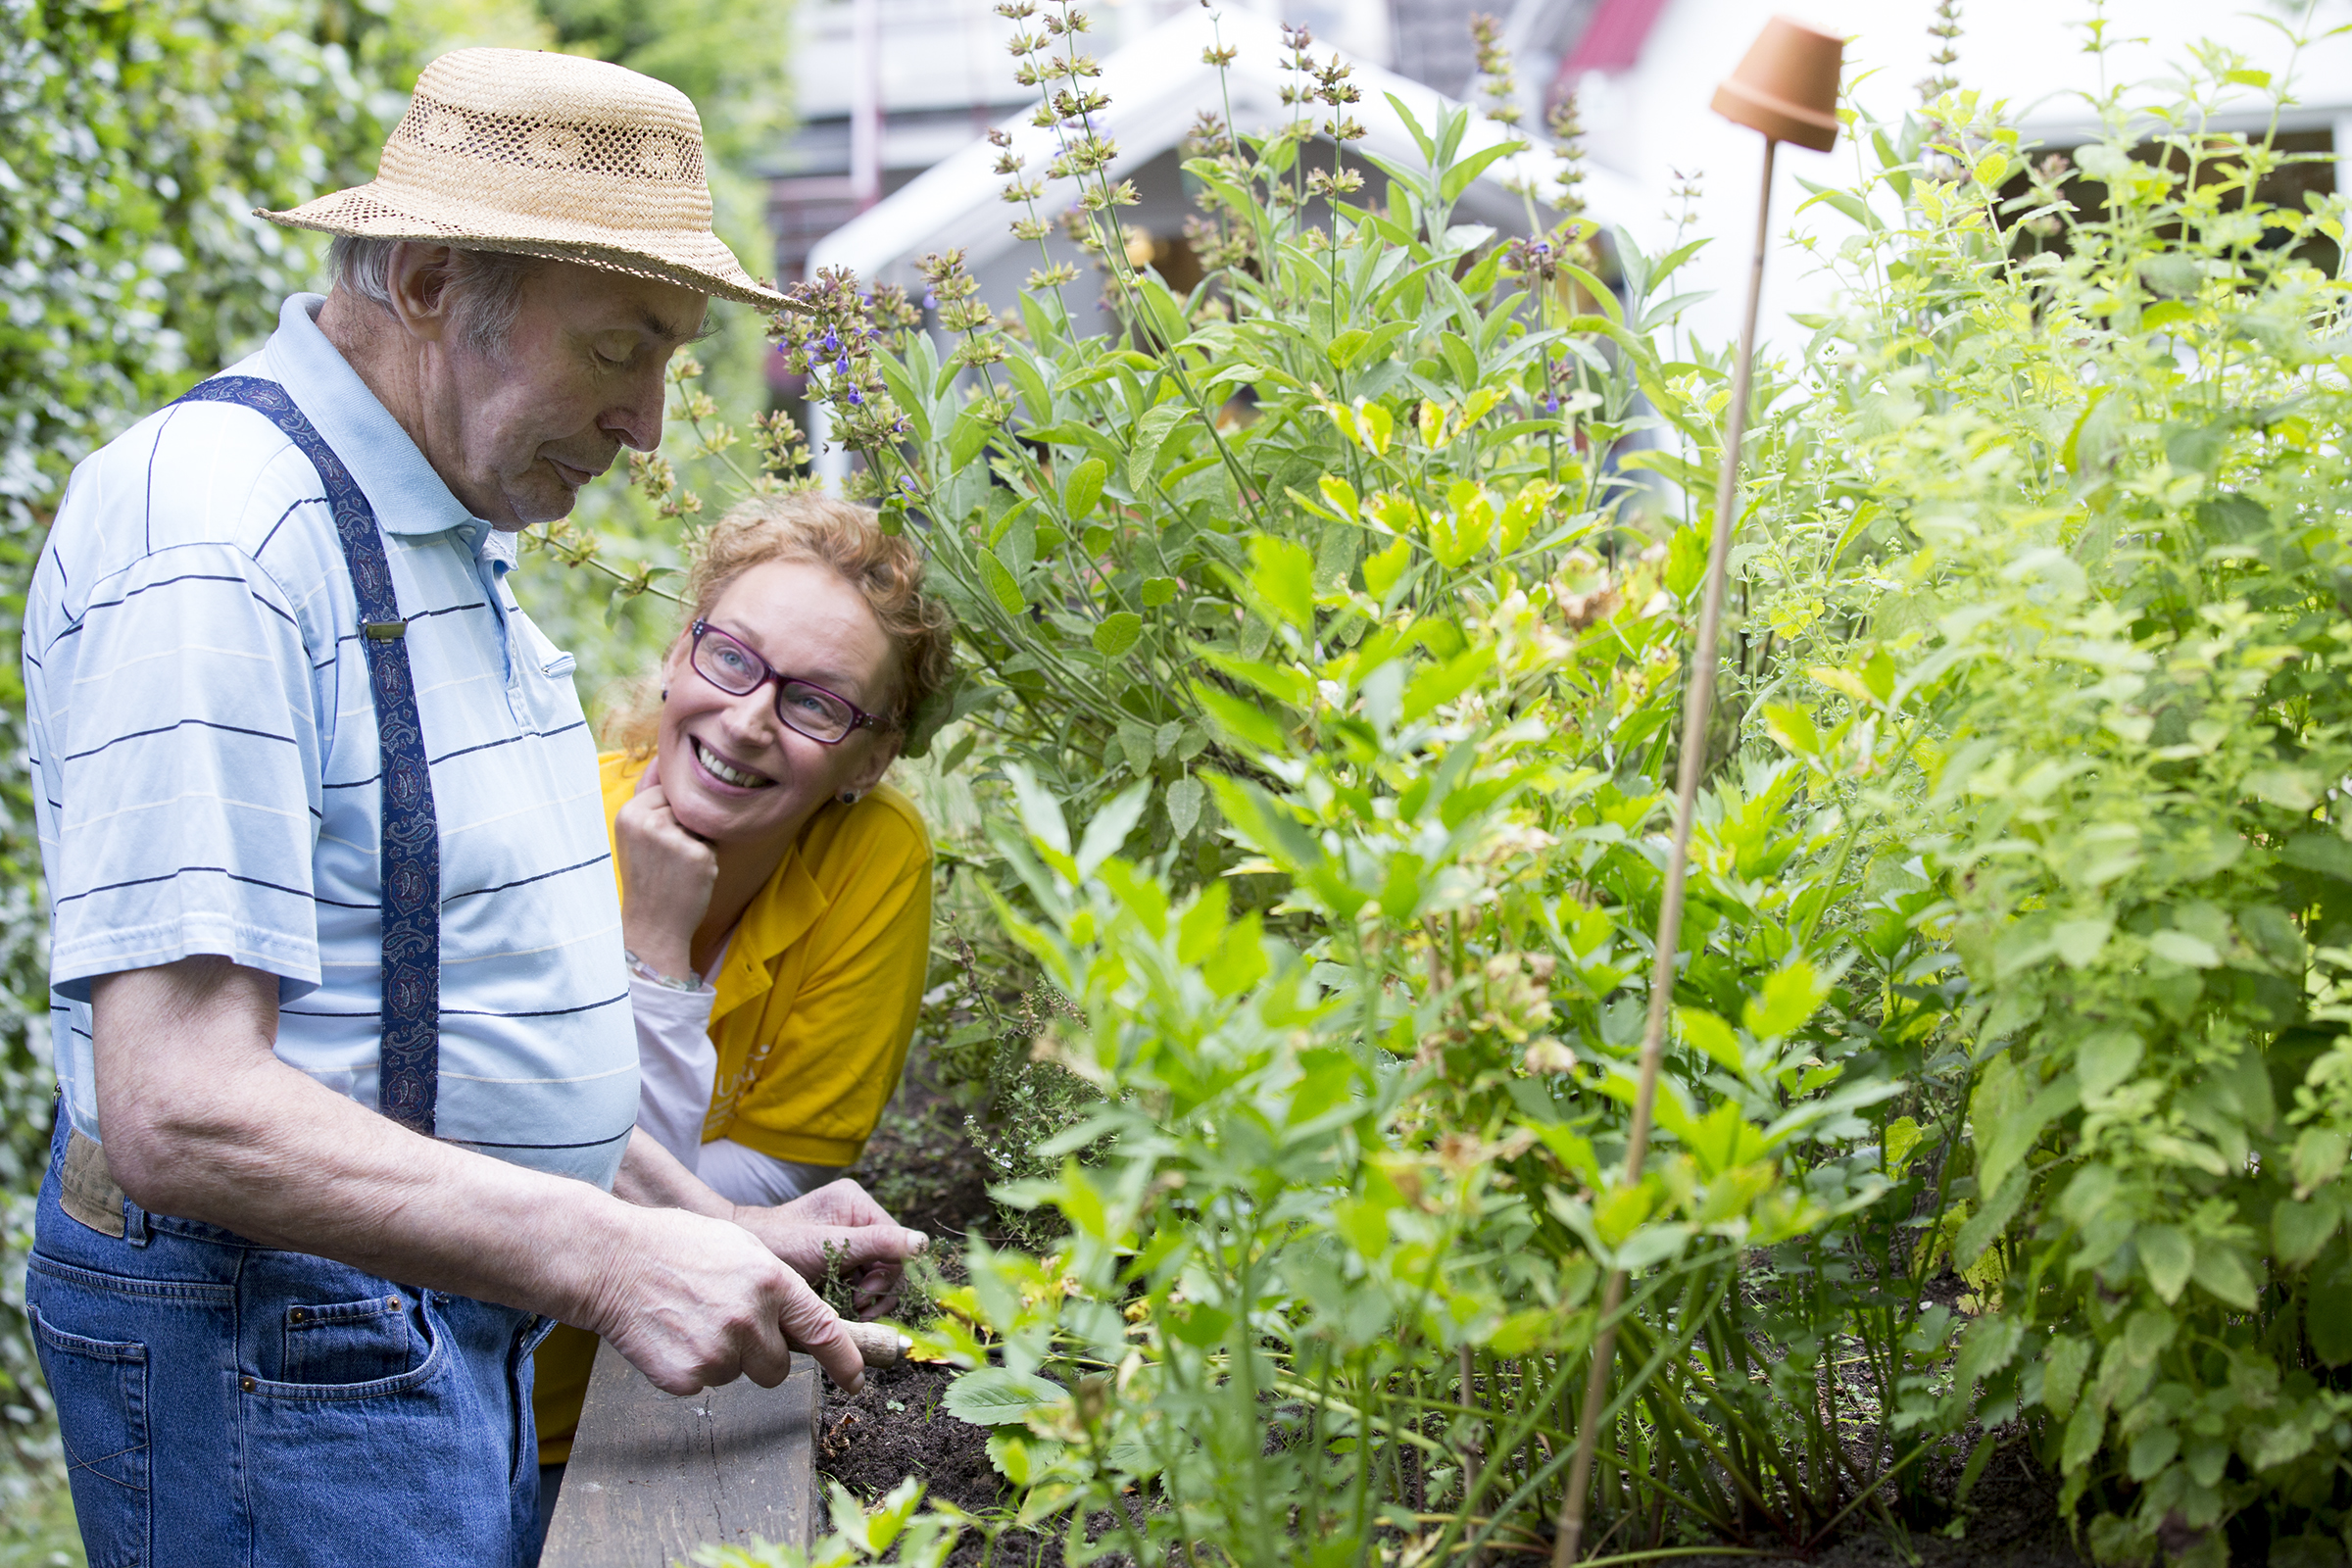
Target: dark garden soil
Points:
(2011, 1520)
(920, 1165)
(894, 1429)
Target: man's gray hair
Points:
(488, 284)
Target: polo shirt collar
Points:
(408, 496)
(779, 915)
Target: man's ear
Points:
(420, 276)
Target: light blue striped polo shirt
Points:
(205, 741)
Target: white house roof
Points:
(1156, 86)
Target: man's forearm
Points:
(203, 1121)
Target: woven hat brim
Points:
(699, 262)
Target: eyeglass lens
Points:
(735, 670)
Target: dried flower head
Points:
(1945, 29)
(1567, 130)
(1498, 81)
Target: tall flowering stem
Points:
(1498, 79)
(1021, 188)
(1085, 156)
(832, 336)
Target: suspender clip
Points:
(385, 631)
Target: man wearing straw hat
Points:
(339, 1003)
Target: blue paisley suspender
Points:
(409, 1077)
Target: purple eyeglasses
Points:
(808, 710)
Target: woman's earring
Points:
(848, 797)
(665, 693)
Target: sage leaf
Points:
(1184, 806)
(1118, 632)
(2167, 1255)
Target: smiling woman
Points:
(775, 894)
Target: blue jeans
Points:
(224, 1404)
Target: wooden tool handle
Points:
(878, 1344)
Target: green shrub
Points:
(2099, 453)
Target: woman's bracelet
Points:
(645, 971)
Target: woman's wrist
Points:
(662, 945)
(671, 971)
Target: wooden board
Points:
(653, 1476)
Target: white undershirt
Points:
(678, 1066)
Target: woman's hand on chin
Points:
(666, 874)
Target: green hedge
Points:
(134, 142)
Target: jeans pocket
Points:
(362, 1350)
(348, 1341)
(101, 1394)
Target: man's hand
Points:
(865, 1244)
(698, 1303)
(840, 1226)
(667, 875)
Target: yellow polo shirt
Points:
(817, 999)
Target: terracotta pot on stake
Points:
(1787, 87)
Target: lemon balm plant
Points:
(2092, 414)
(1396, 639)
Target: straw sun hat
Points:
(546, 154)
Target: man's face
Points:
(515, 432)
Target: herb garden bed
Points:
(896, 1429)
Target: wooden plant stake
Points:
(1787, 87)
